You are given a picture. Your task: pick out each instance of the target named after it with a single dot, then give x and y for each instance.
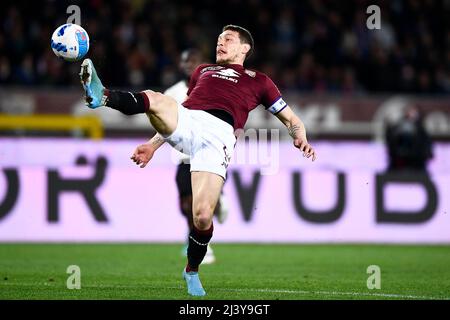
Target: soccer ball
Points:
(70, 42)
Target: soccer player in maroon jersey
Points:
(220, 97)
(189, 60)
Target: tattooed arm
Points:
(297, 131)
(144, 152)
(156, 141)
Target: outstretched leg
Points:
(161, 110)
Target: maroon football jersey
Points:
(232, 88)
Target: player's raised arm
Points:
(297, 131)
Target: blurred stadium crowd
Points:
(313, 45)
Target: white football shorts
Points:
(206, 139)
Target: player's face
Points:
(229, 48)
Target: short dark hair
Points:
(244, 35)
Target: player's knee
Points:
(203, 216)
(202, 222)
(158, 101)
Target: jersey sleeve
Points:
(193, 80)
(271, 97)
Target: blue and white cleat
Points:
(193, 284)
(92, 85)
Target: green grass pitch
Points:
(242, 271)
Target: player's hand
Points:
(306, 148)
(143, 154)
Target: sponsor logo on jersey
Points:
(211, 68)
(227, 74)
